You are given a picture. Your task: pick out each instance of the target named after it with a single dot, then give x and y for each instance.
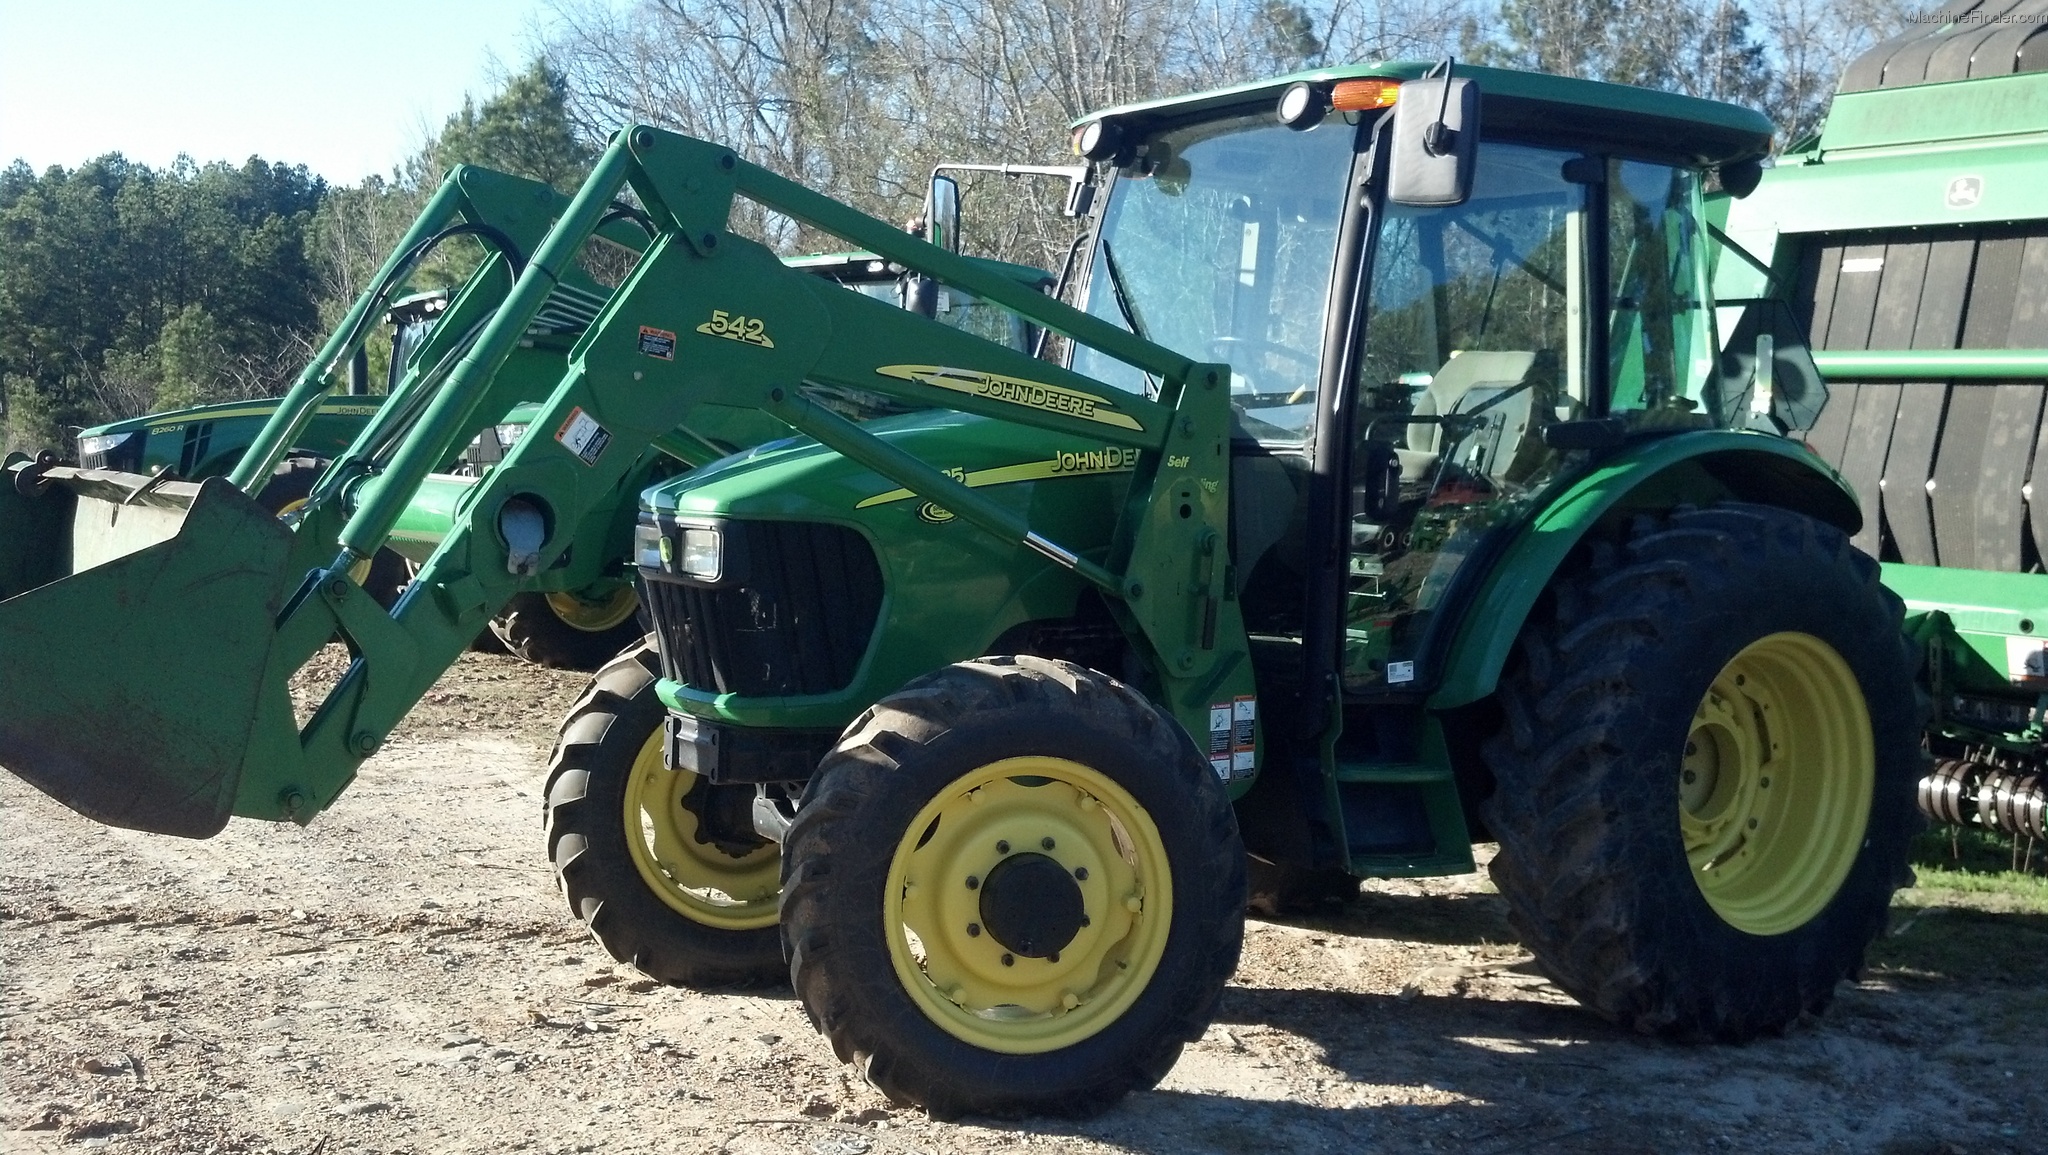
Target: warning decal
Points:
(583, 436)
(1219, 739)
(657, 343)
(1244, 711)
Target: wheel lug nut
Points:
(1084, 920)
(973, 883)
(1752, 824)
(1002, 847)
(1045, 843)
(1053, 957)
(1009, 960)
(1764, 783)
(1691, 777)
(1691, 748)
(1081, 872)
(973, 930)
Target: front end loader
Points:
(1388, 497)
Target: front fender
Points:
(1693, 468)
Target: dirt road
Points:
(403, 976)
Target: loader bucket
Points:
(136, 620)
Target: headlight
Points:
(703, 554)
(102, 443)
(650, 548)
(508, 435)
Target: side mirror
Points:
(942, 213)
(359, 372)
(919, 294)
(1435, 143)
(1378, 493)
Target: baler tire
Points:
(1044, 745)
(531, 630)
(1608, 778)
(675, 940)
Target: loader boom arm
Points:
(705, 317)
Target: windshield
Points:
(1217, 244)
(960, 309)
(1662, 344)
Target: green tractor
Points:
(966, 717)
(1909, 242)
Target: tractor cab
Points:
(1411, 377)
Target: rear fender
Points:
(1693, 468)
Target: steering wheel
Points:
(1222, 348)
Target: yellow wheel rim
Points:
(700, 881)
(359, 572)
(594, 615)
(993, 823)
(1775, 783)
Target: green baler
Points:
(1388, 498)
(1909, 240)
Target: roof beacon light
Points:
(1364, 95)
(1303, 106)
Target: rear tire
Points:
(682, 909)
(1706, 776)
(1120, 906)
(565, 632)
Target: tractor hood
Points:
(176, 419)
(924, 585)
(796, 478)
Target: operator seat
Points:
(1493, 384)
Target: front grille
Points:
(797, 621)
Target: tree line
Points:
(126, 289)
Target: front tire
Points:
(632, 851)
(1706, 777)
(1013, 888)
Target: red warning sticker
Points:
(657, 343)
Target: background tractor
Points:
(1909, 242)
(967, 715)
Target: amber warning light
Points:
(1360, 95)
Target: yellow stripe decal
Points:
(264, 411)
(1016, 391)
(1115, 459)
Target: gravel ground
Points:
(403, 976)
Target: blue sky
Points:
(346, 89)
